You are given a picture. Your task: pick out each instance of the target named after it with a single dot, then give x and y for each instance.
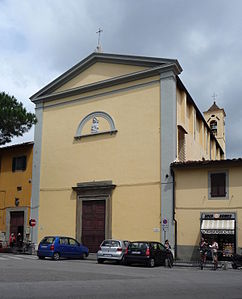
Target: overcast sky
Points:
(39, 40)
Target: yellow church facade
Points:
(108, 130)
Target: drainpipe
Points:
(174, 213)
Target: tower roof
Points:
(214, 108)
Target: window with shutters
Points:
(19, 163)
(218, 185)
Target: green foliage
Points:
(14, 118)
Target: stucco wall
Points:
(98, 72)
(192, 199)
(9, 181)
(130, 158)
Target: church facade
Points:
(108, 130)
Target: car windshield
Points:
(111, 243)
(48, 240)
(138, 245)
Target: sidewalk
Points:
(177, 263)
(181, 263)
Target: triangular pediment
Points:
(102, 67)
(99, 71)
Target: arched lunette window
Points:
(94, 128)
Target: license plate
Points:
(107, 254)
(136, 252)
(44, 246)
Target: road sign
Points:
(32, 222)
(165, 224)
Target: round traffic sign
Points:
(165, 221)
(32, 222)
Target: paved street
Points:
(24, 276)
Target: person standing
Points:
(19, 240)
(203, 247)
(214, 249)
(167, 244)
(169, 255)
(12, 240)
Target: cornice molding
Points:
(172, 68)
(103, 57)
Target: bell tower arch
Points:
(215, 117)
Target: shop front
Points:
(220, 227)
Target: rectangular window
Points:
(19, 163)
(218, 185)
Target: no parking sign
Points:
(165, 225)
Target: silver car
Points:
(112, 250)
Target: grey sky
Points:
(42, 39)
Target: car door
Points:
(75, 249)
(155, 252)
(64, 247)
(162, 253)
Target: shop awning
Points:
(217, 227)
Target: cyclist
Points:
(214, 249)
(203, 252)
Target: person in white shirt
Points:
(214, 249)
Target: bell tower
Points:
(215, 117)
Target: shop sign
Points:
(217, 231)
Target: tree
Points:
(14, 118)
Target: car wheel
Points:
(125, 262)
(84, 256)
(100, 261)
(41, 257)
(56, 256)
(120, 262)
(151, 263)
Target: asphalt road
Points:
(23, 276)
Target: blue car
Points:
(57, 247)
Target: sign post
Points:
(32, 223)
(165, 227)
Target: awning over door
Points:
(218, 227)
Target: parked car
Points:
(57, 247)
(148, 253)
(113, 250)
(236, 261)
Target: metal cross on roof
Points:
(214, 96)
(99, 48)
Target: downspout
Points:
(174, 212)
